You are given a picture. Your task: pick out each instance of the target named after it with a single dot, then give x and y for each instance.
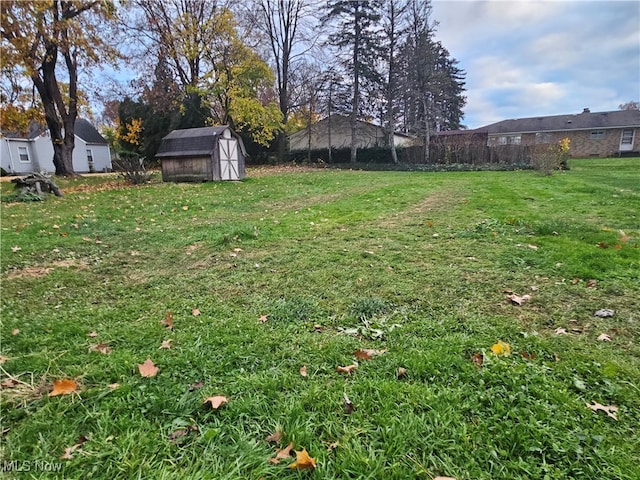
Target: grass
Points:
(414, 263)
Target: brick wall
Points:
(582, 144)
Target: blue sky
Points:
(528, 58)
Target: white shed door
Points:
(229, 159)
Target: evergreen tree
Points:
(355, 35)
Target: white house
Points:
(34, 152)
(338, 129)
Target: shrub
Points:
(132, 168)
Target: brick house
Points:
(600, 134)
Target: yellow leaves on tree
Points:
(131, 132)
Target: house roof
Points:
(193, 142)
(83, 129)
(581, 121)
(87, 132)
(337, 118)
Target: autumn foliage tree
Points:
(36, 35)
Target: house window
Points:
(627, 137)
(542, 137)
(90, 160)
(597, 134)
(23, 153)
(514, 139)
(502, 140)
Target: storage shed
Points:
(202, 154)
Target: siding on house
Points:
(40, 150)
(591, 134)
(368, 135)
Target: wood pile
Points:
(36, 183)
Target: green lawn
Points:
(418, 265)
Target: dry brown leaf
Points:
(9, 383)
(575, 281)
(592, 283)
(63, 387)
(166, 344)
(610, 410)
(3, 359)
(92, 334)
(561, 331)
(303, 460)
(195, 386)
(275, 437)
(67, 455)
(195, 312)
(263, 319)
(603, 337)
(303, 371)
(113, 386)
(148, 368)
(101, 347)
(624, 237)
(478, 359)
(528, 356)
(518, 300)
(349, 407)
(401, 372)
(168, 320)
(333, 445)
(281, 454)
(347, 369)
(367, 354)
(216, 402)
(444, 478)
(15, 331)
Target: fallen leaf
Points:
(216, 402)
(624, 237)
(281, 454)
(347, 369)
(528, 356)
(67, 455)
(575, 281)
(3, 359)
(15, 331)
(401, 372)
(166, 344)
(560, 331)
(478, 358)
(604, 313)
(518, 300)
(501, 348)
(15, 248)
(185, 207)
(148, 368)
(303, 371)
(591, 283)
(168, 321)
(608, 409)
(176, 434)
(92, 334)
(275, 437)
(603, 337)
(602, 245)
(195, 386)
(367, 354)
(101, 348)
(349, 407)
(9, 383)
(532, 247)
(63, 387)
(263, 319)
(333, 445)
(303, 460)
(195, 312)
(444, 478)
(113, 386)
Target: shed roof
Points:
(192, 142)
(581, 121)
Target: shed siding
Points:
(187, 169)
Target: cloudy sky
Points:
(528, 58)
